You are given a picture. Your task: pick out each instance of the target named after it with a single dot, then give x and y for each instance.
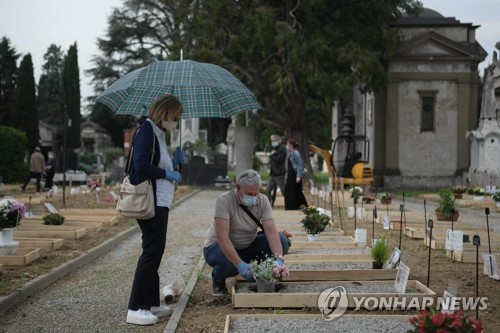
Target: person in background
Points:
(278, 169)
(50, 170)
(144, 305)
(233, 240)
(294, 197)
(37, 168)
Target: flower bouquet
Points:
(368, 198)
(267, 273)
(385, 198)
(356, 192)
(314, 222)
(458, 191)
(432, 321)
(478, 193)
(11, 212)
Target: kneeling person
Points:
(233, 240)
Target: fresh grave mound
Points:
(350, 287)
(330, 251)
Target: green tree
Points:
(50, 98)
(297, 57)
(71, 96)
(25, 116)
(12, 143)
(8, 72)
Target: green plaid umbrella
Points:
(205, 90)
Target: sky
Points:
(33, 25)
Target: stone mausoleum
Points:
(417, 127)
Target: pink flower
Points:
(437, 320)
(276, 272)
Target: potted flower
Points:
(314, 222)
(53, 219)
(385, 198)
(380, 253)
(436, 321)
(11, 212)
(356, 193)
(268, 274)
(446, 210)
(496, 197)
(458, 191)
(478, 193)
(368, 198)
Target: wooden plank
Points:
(469, 257)
(301, 258)
(339, 274)
(89, 211)
(106, 221)
(300, 300)
(42, 243)
(322, 244)
(301, 316)
(89, 226)
(51, 233)
(419, 232)
(21, 258)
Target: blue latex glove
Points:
(178, 157)
(245, 270)
(279, 262)
(173, 176)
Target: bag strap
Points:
(245, 208)
(127, 167)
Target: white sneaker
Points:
(141, 317)
(161, 311)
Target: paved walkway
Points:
(94, 298)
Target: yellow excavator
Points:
(348, 162)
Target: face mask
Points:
(248, 200)
(169, 125)
(275, 144)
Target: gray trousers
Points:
(271, 185)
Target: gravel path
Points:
(343, 324)
(94, 298)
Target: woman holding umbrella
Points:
(146, 163)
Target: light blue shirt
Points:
(164, 188)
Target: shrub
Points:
(13, 146)
(53, 219)
(446, 202)
(380, 251)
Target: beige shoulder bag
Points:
(137, 201)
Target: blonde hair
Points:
(167, 107)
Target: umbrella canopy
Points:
(205, 90)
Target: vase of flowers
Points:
(496, 197)
(267, 274)
(314, 222)
(356, 193)
(11, 213)
(385, 198)
(478, 193)
(433, 321)
(458, 191)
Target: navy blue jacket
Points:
(141, 168)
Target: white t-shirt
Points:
(164, 188)
(242, 229)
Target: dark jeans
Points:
(38, 176)
(146, 286)
(49, 179)
(223, 268)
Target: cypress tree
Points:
(25, 116)
(50, 98)
(71, 96)
(8, 69)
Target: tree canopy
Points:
(298, 57)
(25, 116)
(8, 74)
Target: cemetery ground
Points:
(206, 313)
